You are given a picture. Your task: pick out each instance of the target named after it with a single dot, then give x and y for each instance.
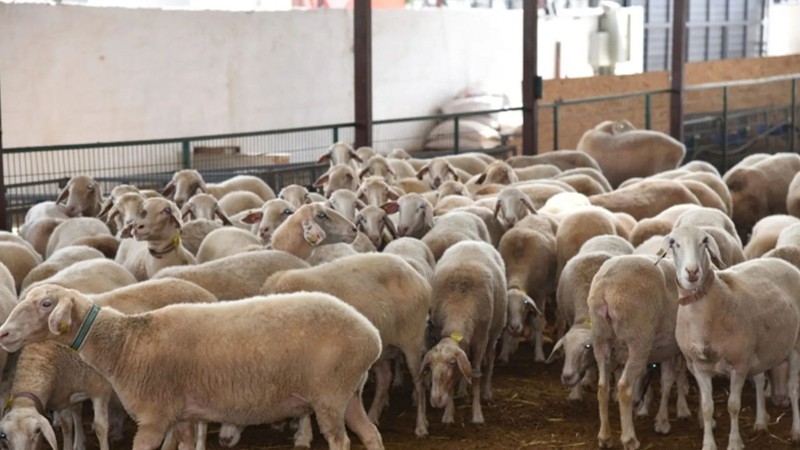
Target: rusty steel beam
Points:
(362, 58)
(678, 70)
(530, 85)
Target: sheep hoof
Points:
(662, 427)
(421, 432)
(631, 444)
(604, 442)
(796, 436)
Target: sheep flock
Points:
(210, 315)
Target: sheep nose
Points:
(4, 335)
(692, 273)
(437, 182)
(402, 230)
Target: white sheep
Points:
(264, 222)
(91, 276)
(708, 217)
(737, 322)
(114, 195)
(529, 253)
(374, 222)
(588, 171)
(207, 207)
(563, 159)
(391, 294)
(83, 196)
(237, 276)
(157, 394)
(793, 196)
(584, 184)
(59, 260)
(632, 306)
(247, 183)
(226, 241)
(37, 232)
(292, 235)
(80, 228)
(537, 172)
(646, 198)
(415, 253)
(124, 211)
(578, 226)
(765, 234)
(237, 201)
(158, 244)
(340, 153)
(183, 185)
(467, 317)
(195, 231)
(497, 172)
(436, 171)
(759, 186)
(376, 191)
(295, 194)
(345, 203)
(454, 227)
(19, 259)
(623, 152)
(341, 176)
(415, 215)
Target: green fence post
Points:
(793, 131)
(335, 134)
(455, 135)
(555, 126)
(724, 129)
(186, 154)
(648, 105)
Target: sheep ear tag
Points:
(176, 241)
(587, 323)
(456, 336)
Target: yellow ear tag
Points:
(587, 323)
(456, 336)
(9, 403)
(176, 241)
(63, 327)
(312, 238)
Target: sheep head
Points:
(203, 206)
(514, 206)
(520, 306)
(184, 184)
(83, 197)
(416, 215)
(269, 218)
(339, 153)
(445, 362)
(372, 221)
(158, 219)
(578, 353)
(23, 427)
(345, 203)
(438, 171)
(295, 194)
(693, 251)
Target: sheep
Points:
(389, 169)
(375, 191)
(71, 230)
(708, 217)
(563, 159)
(266, 220)
(765, 234)
(632, 309)
(183, 185)
(247, 183)
(471, 163)
(537, 172)
(705, 195)
(340, 153)
(738, 322)
(498, 172)
(563, 202)
(467, 317)
(512, 205)
(789, 236)
(289, 235)
(454, 227)
(295, 194)
(588, 171)
(205, 206)
(437, 170)
(578, 226)
(59, 260)
(338, 177)
(328, 253)
(237, 201)
(374, 222)
(660, 224)
(345, 203)
(114, 195)
(646, 198)
(793, 196)
(584, 184)
(123, 212)
(46, 210)
(365, 152)
(759, 186)
(409, 185)
(529, 253)
(415, 215)
(158, 242)
(37, 233)
(83, 196)
(624, 153)
(19, 259)
(8, 299)
(399, 153)
(391, 294)
(715, 183)
(195, 231)
(415, 253)
(495, 228)
(450, 203)
(91, 276)
(226, 241)
(573, 310)
(156, 393)
(699, 165)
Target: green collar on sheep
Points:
(85, 327)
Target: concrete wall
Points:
(75, 74)
(783, 34)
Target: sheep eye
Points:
(305, 196)
(587, 347)
(143, 214)
(705, 241)
(422, 206)
(47, 304)
(168, 210)
(360, 218)
(322, 215)
(280, 196)
(452, 362)
(287, 212)
(90, 187)
(671, 242)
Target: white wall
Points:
(76, 74)
(783, 36)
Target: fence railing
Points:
(724, 123)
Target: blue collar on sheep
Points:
(85, 327)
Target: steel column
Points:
(4, 222)
(362, 58)
(530, 86)
(678, 68)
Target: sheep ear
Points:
(313, 233)
(421, 172)
(174, 215)
(355, 156)
(390, 207)
(392, 194)
(324, 158)
(323, 179)
(47, 432)
(390, 226)
(202, 186)
(62, 196)
(553, 353)
(60, 320)
(186, 210)
(464, 365)
(713, 251)
(453, 171)
(363, 172)
(426, 362)
(662, 252)
(253, 217)
(497, 206)
(107, 205)
(125, 232)
(480, 179)
(531, 305)
(528, 204)
(224, 218)
(169, 189)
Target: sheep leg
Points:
(76, 416)
(229, 434)
(478, 355)
(67, 424)
(602, 355)
(683, 388)
(761, 411)
(707, 408)
(634, 369)
(488, 363)
(643, 409)
(356, 419)
(304, 434)
(170, 442)
(449, 410)
(734, 405)
(414, 363)
(794, 374)
(330, 419)
(398, 375)
(667, 380)
(539, 324)
(383, 381)
(149, 435)
(100, 406)
(201, 431)
(507, 347)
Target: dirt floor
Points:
(530, 411)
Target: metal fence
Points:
(725, 122)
